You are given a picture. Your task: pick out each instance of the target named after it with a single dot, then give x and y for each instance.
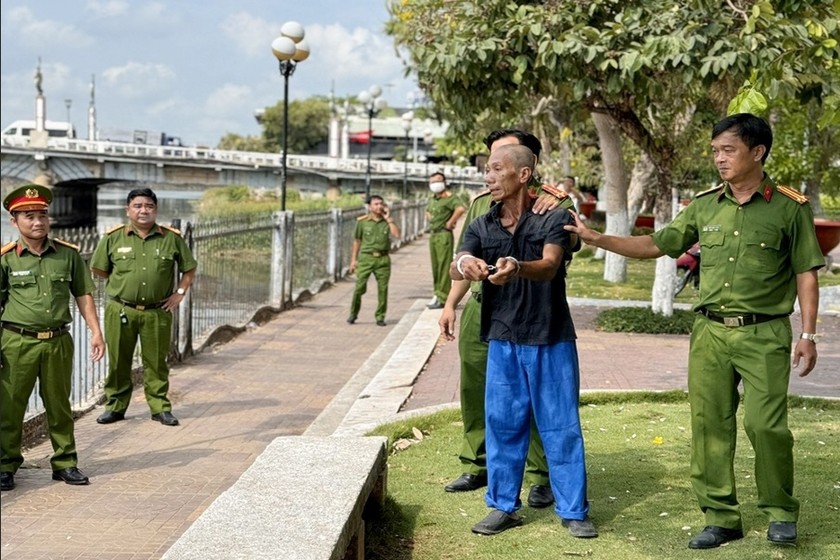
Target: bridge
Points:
(75, 167)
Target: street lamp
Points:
(372, 103)
(427, 140)
(406, 123)
(68, 103)
(290, 49)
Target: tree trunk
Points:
(616, 182)
(662, 296)
(642, 185)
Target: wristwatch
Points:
(809, 336)
(181, 291)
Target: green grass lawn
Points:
(637, 452)
(586, 279)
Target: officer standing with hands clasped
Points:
(760, 253)
(371, 244)
(443, 212)
(139, 260)
(38, 274)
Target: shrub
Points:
(644, 320)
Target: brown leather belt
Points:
(738, 320)
(138, 306)
(40, 335)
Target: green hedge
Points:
(644, 320)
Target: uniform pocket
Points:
(711, 248)
(165, 261)
(24, 286)
(763, 251)
(124, 262)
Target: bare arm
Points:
(542, 269)
(637, 247)
(456, 215)
(354, 255)
(87, 308)
(447, 317)
(808, 291)
(174, 300)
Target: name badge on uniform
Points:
(21, 273)
(124, 249)
(713, 227)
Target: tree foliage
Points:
(309, 122)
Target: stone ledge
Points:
(303, 498)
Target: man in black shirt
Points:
(532, 365)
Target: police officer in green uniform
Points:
(760, 253)
(139, 260)
(38, 274)
(371, 243)
(473, 352)
(443, 212)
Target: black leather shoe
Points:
(351, 319)
(497, 522)
(7, 481)
(782, 532)
(540, 496)
(72, 476)
(467, 482)
(381, 322)
(581, 529)
(713, 536)
(110, 416)
(165, 418)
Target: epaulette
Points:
(113, 229)
(482, 194)
(554, 191)
(7, 247)
(362, 218)
(67, 244)
(710, 191)
(176, 231)
(792, 194)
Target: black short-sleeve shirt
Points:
(523, 311)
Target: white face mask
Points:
(437, 187)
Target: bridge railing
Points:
(196, 155)
(238, 281)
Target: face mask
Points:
(437, 187)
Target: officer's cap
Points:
(28, 197)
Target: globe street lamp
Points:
(372, 103)
(290, 48)
(406, 123)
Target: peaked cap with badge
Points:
(28, 197)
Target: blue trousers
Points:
(542, 380)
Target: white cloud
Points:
(44, 34)
(229, 100)
(251, 34)
(110, 8)
(135, 80)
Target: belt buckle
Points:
(44, 335)
(733, 321)
(140, 307)
(376, 253)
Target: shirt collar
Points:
(131, 231)
(21, 247)
(765, 190)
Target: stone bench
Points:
(302, 499)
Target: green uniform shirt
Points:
(374, 234)
(750, 253)
(141, 270)
(441, 209)
(480, 206)
(35, 290)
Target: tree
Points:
(646, 64)
(232, 141)
(309, 122)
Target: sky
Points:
(196, 69)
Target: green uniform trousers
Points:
(25, 360)
(473, 355)
(721, 357)
(153, 327)
(441, 245)
(380, 267)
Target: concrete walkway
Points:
(305, 372)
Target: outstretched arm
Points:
(637, 247)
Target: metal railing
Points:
(198, 155)
(245, 265)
